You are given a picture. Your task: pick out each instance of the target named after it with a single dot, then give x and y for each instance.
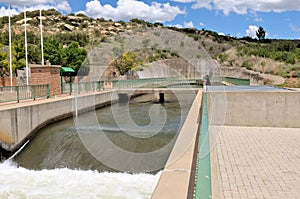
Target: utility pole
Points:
(26, 54)
(10, 47)
(42, 41)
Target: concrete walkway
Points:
(256, 162)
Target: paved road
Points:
(252, 162)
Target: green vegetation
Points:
(247, 64)
(67, 38)
(135, 60)
(72, 55)
(284, 51)
(126, 62)
(81, 38)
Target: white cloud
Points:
(294, 28)
(258, 20)
(202, 24)
(184, 1)
(128, 9)
(188, 24)
(251, 31)
(18, 5)
(175, 25)
(221, 33)
(245, 6)
(5, 12)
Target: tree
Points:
(127, 61)
(34, 54)
(3, 63)
(53, 51)
(74, 56)
(260, 33)
(18, 59)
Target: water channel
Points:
(119, 156)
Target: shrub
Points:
(247, 65)
(223, 57)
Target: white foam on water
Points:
(17, 182)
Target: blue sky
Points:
(239, 18)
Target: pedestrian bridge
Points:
(147, 84)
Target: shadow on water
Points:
(60, 146)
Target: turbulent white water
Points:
(17, 182)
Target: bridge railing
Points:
(232, 80)
(85, 87)
(156, 83)
(81, 87)
(18, 93)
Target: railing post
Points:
(70, 88)
(48, 90)
(34, 91)
(18, 94)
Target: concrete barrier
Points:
(255, 108)
(18, 122)
(176, 177)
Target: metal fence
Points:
(85, 87)
(81, 87)
(231, 80)
(237, 81)
(157, 83)
(17, 93)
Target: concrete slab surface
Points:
(255, 162)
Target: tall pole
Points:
(42, 41)
(10, 51)
(26, 54)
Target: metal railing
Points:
(203, 188)
(232, 80)
(81, 87)
(85, 87)
(157, 83)
(18, 93)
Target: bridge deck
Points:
(160, 90)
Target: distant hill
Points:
(271, 57)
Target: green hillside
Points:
(77, 35)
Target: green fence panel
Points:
(238, 81)
(203, 178)
(18, 93)
(81, 87)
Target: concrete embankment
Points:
(176, 177)
(18, 122)
(254, 108)
(259, 109)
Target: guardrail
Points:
(18, 93)
(157, 83)
(237, 81)
(85, 87)
(203, 187)
(81, 87)
(232, 80)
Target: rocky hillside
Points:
(106, 40)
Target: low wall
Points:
(255, 108)
(5, 81)
(176, 179)
(18, 122)
(256, 78)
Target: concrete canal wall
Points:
(239, 108)
(18, 122)
(255, 108)
(175, 181)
